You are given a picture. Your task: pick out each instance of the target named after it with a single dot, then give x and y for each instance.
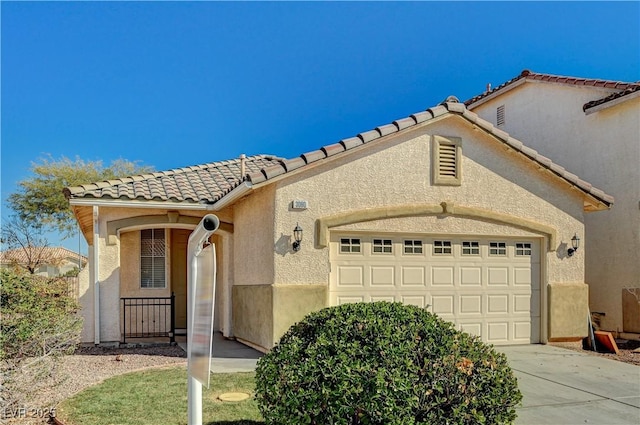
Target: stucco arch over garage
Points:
(325, 224)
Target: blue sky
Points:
(173, 84)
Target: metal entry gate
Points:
(148, 317)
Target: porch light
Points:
(297, 236)
(575, 244)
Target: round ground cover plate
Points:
(233, 396)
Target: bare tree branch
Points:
(24, 245)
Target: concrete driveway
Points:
(562, 387)
(559, 386)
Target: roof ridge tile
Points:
(351, 142)
(330, 150)
(368, 136)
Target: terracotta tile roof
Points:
(210, 182)
(451, 106)
(198, 184)
(53, 254)
(618, 86)
(612, 97)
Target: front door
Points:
(179, 242)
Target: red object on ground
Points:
(605, 341)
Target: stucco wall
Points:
(85, 299)
(395, 173)
(263, 313)
(398, 174)
(253, 315)
(604, 149)
(253, 239)
(568, 311)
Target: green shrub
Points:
(38, 325)
(383, 363)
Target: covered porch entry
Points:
(153, 281)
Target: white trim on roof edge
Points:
(109, 202)
(235, 194)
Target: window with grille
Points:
(470, 248)
(152, 258)
(500, 115)
(447, 159)
(412, 247)
(349, 245)
(523, 249)
(442, 247)
(497, 248)
(382, 246)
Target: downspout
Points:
(95, 277)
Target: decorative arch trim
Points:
(171, 220)
(324, 224)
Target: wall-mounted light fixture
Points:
(575, 244)
(297, 236)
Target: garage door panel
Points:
(346, 299)
(523, 276)
(387, 298)
(522, 303)
(471, 328)
(442, 305)
(349, 276)
(495, 295)
(470, 276)
(382, 276)
(498, 304)
(412, 276)
(470, 304)
(497, 332)
(498, 276)
(442, 276)
(417, 300)
(522, 330)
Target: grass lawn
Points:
(160, 397)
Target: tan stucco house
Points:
(440, 209)
(592, 127)
(45, 261)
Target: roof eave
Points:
(232, 196)
(135, 203)
(499, 92)
(612, 103)
(328, 159)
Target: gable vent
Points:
(448, 161)
(500, 115)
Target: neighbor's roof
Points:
(216, 179)
(50, 253)
(619, 88)
(627, 92)
(205, 183)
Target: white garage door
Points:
(487, 286)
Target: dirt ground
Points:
(628, 350)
